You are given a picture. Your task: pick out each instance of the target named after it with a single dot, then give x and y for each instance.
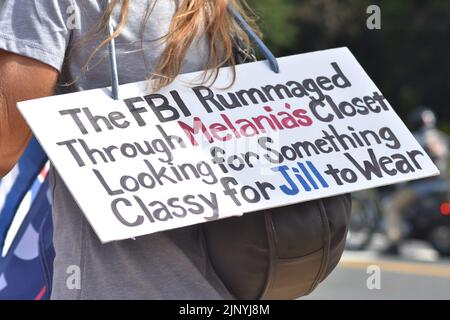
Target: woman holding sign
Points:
(44, 44)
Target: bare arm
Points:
(21, 79)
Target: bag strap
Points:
(113, 60)
(254, 38)
(236, 15)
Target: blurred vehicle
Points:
(414, 210)
(427, 219)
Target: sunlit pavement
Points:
(418, 273)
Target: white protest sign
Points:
(190, 154)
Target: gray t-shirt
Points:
(166, 265)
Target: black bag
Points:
(281, 253)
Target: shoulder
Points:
(38, 29)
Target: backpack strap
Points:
(254, 38)
(113, 61)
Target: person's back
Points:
(48, 42)
(159, 266)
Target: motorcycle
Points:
(427, 219)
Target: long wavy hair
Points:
(192, 18)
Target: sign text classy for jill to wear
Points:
(192, 153)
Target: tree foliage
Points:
(408, 58)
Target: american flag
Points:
(25, 228)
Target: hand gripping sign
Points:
(189, 154)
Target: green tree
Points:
(407, 58)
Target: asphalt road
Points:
(418, 273)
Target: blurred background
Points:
(404, 46)
(407, 56)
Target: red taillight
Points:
(445, 209)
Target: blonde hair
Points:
(192, 18)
